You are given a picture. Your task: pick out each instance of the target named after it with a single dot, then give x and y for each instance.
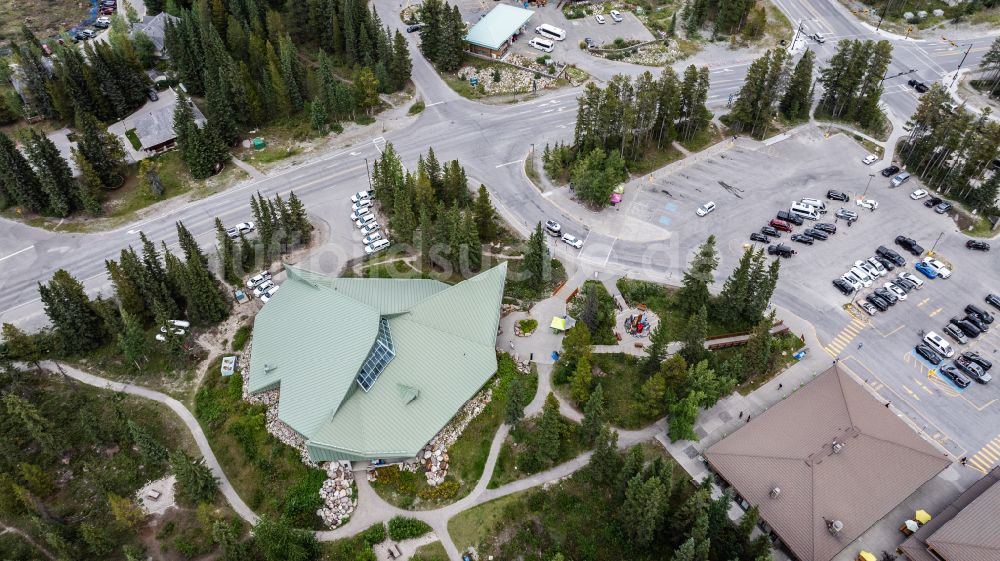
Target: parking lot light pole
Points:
(870, 177)
(936, 242)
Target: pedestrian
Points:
(780, 386)
(887, 404)
(871, 209)
(850, 223)
(748, 417)
(741, 414)
(964, 460)
(860, 345)
(511, 343)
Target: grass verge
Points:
(433, 551)
(621, 381)
(471, 526)
(518, 457)
(268, 474)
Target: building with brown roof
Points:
(966, 530)
(825, 464)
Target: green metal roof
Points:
(503, 21)
(316, 331)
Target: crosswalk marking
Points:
(987, 456)
(841, 340)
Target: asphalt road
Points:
(491, 142)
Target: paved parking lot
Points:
(749, 186)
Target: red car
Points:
(780, 225)
(108, 11)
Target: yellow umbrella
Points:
(558, 323)
(922, 516)
(866, 556)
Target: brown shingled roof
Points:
(915, 547)
(790, 447)
(974, 533)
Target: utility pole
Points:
(370, 188)
(870, 177)
(884, 11)
(955, 79)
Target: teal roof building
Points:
(374, 368)
(492, 34)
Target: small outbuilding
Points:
(495, 33)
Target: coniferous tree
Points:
(486, 219)
(694, 337)
(605, 463)
(89, 186)
(644, 507)
(77, 326)
(797, 101)
(593, 416)
(536, 262)
(693, 293)
(102, 149)
(19, 183)
(227, 249)
(127, 290)
(580, 382)
(514, 409)
(132, 341)
(401, 66)
(656, 351)
(549, 431)
(195, 481)
(53, 173)
(366, 88)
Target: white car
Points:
(705, 208)
(376, 246)
(878, 266)
(868, 268)
(893, 288)
(572, 240)
(818, 37)
(369, 228)
(599, 18)
(260, 277)
(269, 294)
(241, 228)
(361, 196)
(356, 214)
(912, 278)
(940, 268)
(868, 203)
(918, 194)
(362, 205)
(263, 287)
(616, 16)
(866, 306)
(854, 281)
(366, 219)
(374, 236)
(869, 159)
(174, 330)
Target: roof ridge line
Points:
(899, 444)
(735, 454)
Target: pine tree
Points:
(18, 182)
(127, 290)
(152, 452)
(195, 481)
(797, 101)
(88, 189)
(248, 257)
(548, 441)
(400, 66)
(729, 304)
(758, 354)
(536, 262)
(643, 510)
(19, 345)
(656, 351)
(301, 227)
(605, 463)
(38, 427)
(694, 337)
(54, 173)
(227, 249)
(593, 416)
(682, 416)
(514, 409)
(580, 383)
(205, 304)
(576, 345)
(652, 395)
(132, 341)
(486, 220)
(102, 149)
(188, 244)
(77, 325)
(366, 90)
(470, 240)
(693, 293)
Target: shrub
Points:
(527, 325)
(303, 499)
(402, 528)
(374, 535)
(442, 492)
(417, 107)
(241, 337)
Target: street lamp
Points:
(936, 242)
(870, 177)
(367, 169)
(960, 63)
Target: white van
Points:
(815, 203)
(939, 345)
(900, 179)
(551, 32)
(543, 45)
(862, 275)
(805, 211)
(366, 219)
(375, 246)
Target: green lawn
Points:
(472, 526)
(467, 455)
(658, 298)
(621, 383)
(133, 139)
(433, 551)
(268, 474)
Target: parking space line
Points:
(987, 456)
(909, 391)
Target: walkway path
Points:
(254, 172)
(712, 424)
(4, 529)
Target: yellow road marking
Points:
(975, 463)
(924, 301)
(923, 387)
(913, 395)
(935, 312)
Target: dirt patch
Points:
(45, 17)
